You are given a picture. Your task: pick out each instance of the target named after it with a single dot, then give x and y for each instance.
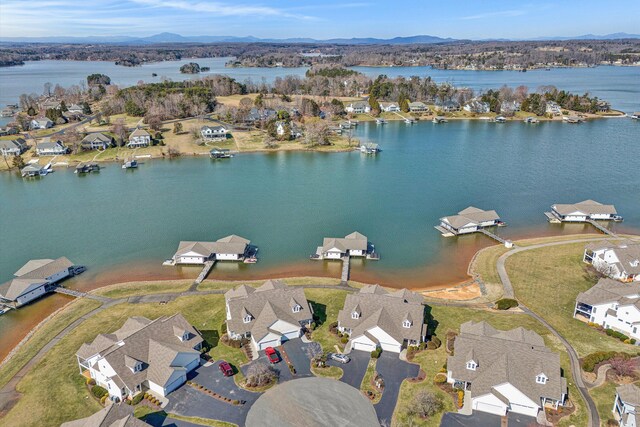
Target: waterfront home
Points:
(354, 244)
(139, 138)
(230, 248)
(111, 416)
(13, 147)
(553, 108)
(96, 141)
(83, 168)
(294, 130)
(33, 170)
(369, 148)
(449, 106)
(619, 261)
(50, 148)
(213, 132)
(358, 108)
(468, 220)
(612, 305)
(389, 107)
(506, 371)
(626, 406)
(418, 107)
(582, 211)
(75, 109)
(476, 106)
(603, 106)
(257, 115)
(42, 123)
(51, 104)
(8, 130)
(154, 355)
(269, 315)
(36, 278)
(376, 318)
(509, 107)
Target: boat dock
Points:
(505, 242)
(345, 269)
(208, 266)
(407, 120)
(601, 228)
(70, 292)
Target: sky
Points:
(320, 19)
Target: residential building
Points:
(448, 106)
(389, 107)
(612, 305)
(376, 318)
(358, 108)
(112, 416)
(509, 107)
(139, 138)
(553, 108)
(476, 106)
(50, 148)
(8, 130)
(13, 147)
(75, 109)
(51, 104)
(418, 107)
(294, 130)
(42, 123)
(626, 406)
(620, 261)
(230, 248)
(213, 132)
(354, 244)
(36, 278)
(33, 170)
(582, 211)
(269, 315)
(506, 371)
(257, 115)
(96, 141)
(468, 220)
(603, 106)
(154, 355)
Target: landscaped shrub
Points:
(223, 328)
(440, 378)
(431, 345)
(98, 391)
(103, 399)
(590, 361)
(333, 327)
(436, 341)
(137, 399)
(460, 398)
(91, 382)
(313, 326)
(344, 340)
(616, 334)
(506, 304)
(376, 353)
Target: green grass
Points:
(144, 412)
(603, 396)
(42, 336)
(328, 372)
(291, 281)
(125, 290)
(368, 378)
(326, 304)
(547, 280)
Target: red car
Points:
(225, 368)
(272, 355)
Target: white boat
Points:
(439, 119)
(500, 119)
(531, 120)
(381, 122)
(130, 164)
(636, 115)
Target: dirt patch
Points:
(458, 293)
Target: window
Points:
(541, 379)
(247, 318)
(472, 365)
(296, 308)
(185, 336)
(406, 324)
(355, 315)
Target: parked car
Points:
(342, 358)
(225, 368)
(272, 355)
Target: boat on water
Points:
(219, 153)
(130, 164)
(500, 119)
(250, 260)
(572, 119)
(636, 115)
(409, 121)
(381, 122)
(84, 168)
(531, 120)
(439, 119)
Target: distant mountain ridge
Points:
(177, 38)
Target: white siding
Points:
(489, 403)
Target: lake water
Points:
(122, 225)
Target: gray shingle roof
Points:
(387, 310)
(32, 275)
(516, 356)
(588, 207)
(630, 394)
(470, 215)
(114, 415)
(227, 245)
(609, 291)
(96, 137)
(353, 241)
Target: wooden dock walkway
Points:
(493, 236)
(601, 228)
(345, 269)
(205, 271)
(70, 292)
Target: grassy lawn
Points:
(291, 281)
(431, 361)
(125, 290)
(547, 280)
(42, 336)
(603, 396)
(484, 265)
(328, 372)
(368, 379)
(146, 413)
(326, 304)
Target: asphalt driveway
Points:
(355, 369)
(297, 353)
(393, 372)
(451, 419)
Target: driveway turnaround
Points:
(312, 402)
(355, 369)
(393, 372)
(297, 352)
(452, 419)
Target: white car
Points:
(342, 358)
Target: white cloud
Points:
(217, 8)
(499, 14)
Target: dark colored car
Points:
(225, 368)
(272, 355)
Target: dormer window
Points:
(185, 336)
(355, 315)
(247, 318)
(137, 367)
(541, 379)
(296, 308)
(472, 365)
(406, 324)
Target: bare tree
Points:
(623, 367)
(120, 131)
(260, 374)
(425, 404)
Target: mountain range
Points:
(177, 38)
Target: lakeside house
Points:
(476, 106)
(358, 108)
(354, 244)
(111, 416)
(553, 108)
(468, 220)
(294, 130)
(75, 109)
(582, 212)
(50, 148)
(154, 355)
(268, 315)
(41, 123)
(230, 248)
(509, 107)
(506, 371)
(449, 106)
(96, 141)
(626, 406)
(36, 278)
(603, 106)
(612, 305)
(13, 147)
(262, 114)
(33, 170)
(418, 107)
(51, 104)
(376, 318)
(369, 148)
(8, 130)
(139, 138)
(389, 107)
(619, 261)
(213, 132)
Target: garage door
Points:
(174, 385)
(363, 346)
(492, 409)
(391, 347)
(292, 335)
(265, 344)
